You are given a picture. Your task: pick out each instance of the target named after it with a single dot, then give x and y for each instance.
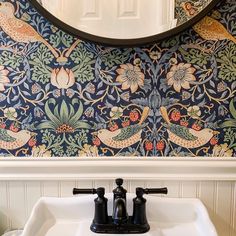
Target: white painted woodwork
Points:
(115, 18)
(135, 168)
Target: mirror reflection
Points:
(124, 19)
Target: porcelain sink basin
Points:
(73, 216)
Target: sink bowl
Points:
(73, 216)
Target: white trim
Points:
(145, 168)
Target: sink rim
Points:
(195, 202)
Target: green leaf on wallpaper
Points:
(194, 56)
(61, 37)
(229, 123)
(170, 42)
(71, 151)
(9, 59)
(83, 59)
(39, 60)
(227, 60)
(229, 135)
(232, 109)
(115, 57)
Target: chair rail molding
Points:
(133, 168)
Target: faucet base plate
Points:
(127, 228)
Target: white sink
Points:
(73, 216)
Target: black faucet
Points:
(120, 222)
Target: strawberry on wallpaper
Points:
(67, 97)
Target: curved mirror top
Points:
(124, 19)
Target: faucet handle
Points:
(84, 191)
(141, 191)
(156, 191)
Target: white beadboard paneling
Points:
(174, 188)
(84, 184)
(17, 204)
(3, 207)
(207, 191)
(233, 211)
(50, 188)
(223, 207)
(134, 184)
(33, 193)
(190, 189)
(66, 188)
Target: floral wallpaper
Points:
(60, 96)
(186, 9)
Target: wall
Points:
(17, 198)
(64, 95)
(60, 96)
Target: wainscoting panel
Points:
(18, 197)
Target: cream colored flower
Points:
(10, 113)
(89, 151)
(116, 112)
(130, 76)
(222, 150)
(3, 78)
(41, 151)
(62, 78)
(180, 76)
(194, 112)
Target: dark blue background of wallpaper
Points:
(60, 96)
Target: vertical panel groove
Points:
(25, 200)
(233, 208)
(215, 198)
(41, 189)
(9, 222)
(59, 189)
(181, 189)
(198, 186)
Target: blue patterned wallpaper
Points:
(60, 96)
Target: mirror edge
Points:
(121, 43)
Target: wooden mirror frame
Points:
(122, 42)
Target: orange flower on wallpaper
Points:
(180, 76)
(130, 76)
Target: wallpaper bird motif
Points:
(63, 97)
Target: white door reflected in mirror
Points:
(123, 19)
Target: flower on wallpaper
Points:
(36, 88)
(180, 76)
(194, 111)
(222, 150)
(62, 78)
(10, 113)
(40, 151)
(63, 118)
(88, 151)
(90, 87)
(116, 113)
(3, 78)
(130, 77)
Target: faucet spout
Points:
(120, 215)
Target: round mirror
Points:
(124, 22)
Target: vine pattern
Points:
(92, 100)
